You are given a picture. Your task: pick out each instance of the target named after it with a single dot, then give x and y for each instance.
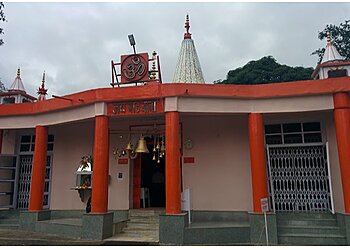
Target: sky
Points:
(75, 42)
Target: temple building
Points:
(16, 93)
(183, 162)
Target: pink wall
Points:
(72, 141)
(220, 177)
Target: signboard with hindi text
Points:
(142, 107)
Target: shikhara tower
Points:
(188, 69)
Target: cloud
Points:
(75, 42)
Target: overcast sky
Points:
(75, 42)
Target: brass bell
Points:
(129, 146)
(154, 157)
(142, 146)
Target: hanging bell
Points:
(142, 146)
(129, 146)
(154, 157)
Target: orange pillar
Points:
(136, 194)
(257, 159)
(99, 200)
(1, 135)
(39, 170)
(342, 129)
(172, 164)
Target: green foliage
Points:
(340, 36)
(266, 70)
(2, 18)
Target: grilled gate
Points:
(24, 181)
(299, 178)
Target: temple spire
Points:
(42, 92)
(331, 54)
(17, 84)
(188, 69)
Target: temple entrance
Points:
(153, 175)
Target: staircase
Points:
(309, 229)
(142, 226)
(9, 219)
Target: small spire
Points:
(187, 26)
(42, 92)
(328, 38)
(43, 81)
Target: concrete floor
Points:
(10, 237)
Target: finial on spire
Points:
(43, 81)
(328, 37)
(42, 92)
(187, 26)
(18, 73)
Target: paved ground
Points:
(9, 237)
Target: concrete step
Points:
(331, 230)
(71, 228)
(312, 240)
(143, 221)
(304, 216)
(9, 221)
(141, 212)
(307, 222)
(9, 226)
(140, 228)
(7, 214)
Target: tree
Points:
(340, 36)
(2, 18)
(266, 70)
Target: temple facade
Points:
(211, 164)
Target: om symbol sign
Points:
(135, 68)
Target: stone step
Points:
(141, 212)
(7, 214)
(139, 228)
(143, 221)
(305, 216)
(69, 228)
(309, 222)
(312, 240)
(331, 230)
(9, 226)
(9, 221)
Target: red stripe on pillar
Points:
(99, 200)
(342, 128)
(39, 169)
(257, 159)
(172, 163)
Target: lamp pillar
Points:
(257, 159)
(39, 169)
(99, 199)
(172, 163)
(342, 128)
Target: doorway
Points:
(153, 172)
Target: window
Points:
(28, 143)
(292, 133)
(8, 100)
(337, 73)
